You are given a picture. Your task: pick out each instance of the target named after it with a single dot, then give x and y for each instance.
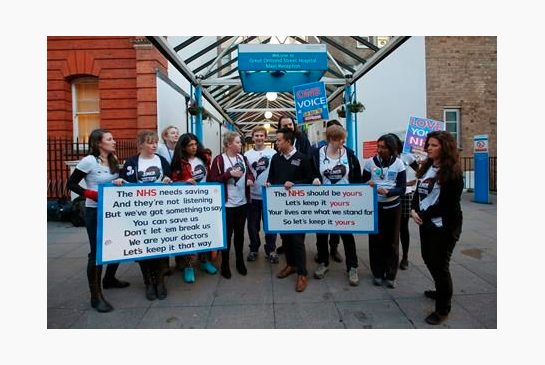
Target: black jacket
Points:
(297, 169)
(447, 207)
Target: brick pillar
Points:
(148, 61)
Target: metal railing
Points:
(468, 166)
(61, 150)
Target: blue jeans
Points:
(255, 215)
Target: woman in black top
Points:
(436, 209)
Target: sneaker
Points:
(273, 258)
(189, 275)
(353, 276)
(404, 264)
(321, 271)
(377, 281)
(208, 268)
(252, 256)
(435, 318)
(391, 284)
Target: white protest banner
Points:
(338, 208)
(137, 221)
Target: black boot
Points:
(110, 281)
(225, 270)
(241, 268)
(161, 289)
(239, 255)
(148, 281)
(98, 302)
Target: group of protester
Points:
(434, 205)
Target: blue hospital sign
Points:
(310, 102)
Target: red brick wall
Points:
(462, 71)
(125, 67)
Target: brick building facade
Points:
(124, 69)
(461, 74)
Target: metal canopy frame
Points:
(243, 109)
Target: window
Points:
(85, 106)
(451, 116)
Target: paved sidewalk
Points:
(260, 300)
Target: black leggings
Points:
(437, 246)
(404, 235)
(384, 246)
(349, 249)
(235, 218)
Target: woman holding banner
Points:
(231, 169)
(99, 167)
(387, 172)
(336, 164)
(149, 167)
(436, 209)
(191, 164)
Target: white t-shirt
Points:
(384, 177)
(150, 170)
(198, 169)
(167, 153)
(334, 170)
(428, 191)
(96, 174)
(260, 162)
(236, 187)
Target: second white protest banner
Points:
(322, 209)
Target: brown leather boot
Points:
(285, 272)
(302, 282)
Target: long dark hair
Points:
(180, 153)
(295, 129)
(398, 143)
(450, 167)
(94, 140)
(390, 143)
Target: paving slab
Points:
(260, 300)
(256, 316)
(371, 314)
